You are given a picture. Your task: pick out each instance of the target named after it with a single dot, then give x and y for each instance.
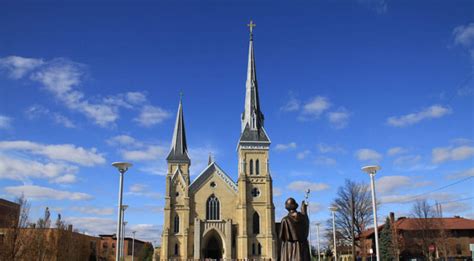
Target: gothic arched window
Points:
(257, 167)
(251, 167)
(256, 223)
(253, 249)
(259, 252)
(212, 208)
(176, 249)
(176, 224)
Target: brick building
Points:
(109, 242)
(416, 238)
(9, 213)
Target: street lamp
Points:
(122, 168)
(123, 239)
(133, 245)
(333, 210)
(317, 235)
(371, 170)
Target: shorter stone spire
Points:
(179, 147)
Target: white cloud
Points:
(380, 6)
(94, 210)
(43, 193)
(62, 78)
(316, 106)
(284, 147)
(19, 66)
(5, 122)
(303, 154)
(124, 140)
(143, 190)
(63, 152)
(23, 170)
(277, 192)
(293, 104)
(390, 184)
(464, 36)
(407, 160)
(462, 174)
(339, 119)
(97, 226)
(65, 179)
(151, 115)
(410, 198)
(323, 160)
(301, 185)
(396, 151)
(442, 154)
(37, 111)
(368, 155)
(325, 148)
(432, 112)
(151, 152)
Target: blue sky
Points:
(342, 84)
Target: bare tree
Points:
(424, 215)
(14, 244)
(354, 212)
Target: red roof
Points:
(456, 223)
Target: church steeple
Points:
(179, 147)
(252, 117)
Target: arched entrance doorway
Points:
(212, 247)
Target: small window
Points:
(212, 184)
(176, 249)
(256, 223)
(176, 224)
(257, 167)
(259, 250)
(105, 245)
(177, 194)
(458, 249)
(113, 245)
(255, 192)
(251, 167)
(253, 248)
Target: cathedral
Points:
(214, 217)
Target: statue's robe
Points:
(294, 237)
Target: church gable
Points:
(213, 170)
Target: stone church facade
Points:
(213, 216)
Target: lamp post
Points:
(317, 235)
(133, 246)
(333, 210)
(123, 239)
(122, 168)
(371, 170)
(306, 196)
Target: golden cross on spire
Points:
(251, 25)
(180, 96)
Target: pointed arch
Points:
(256, 223)
(257, 167)
(212, 208)
(176, 249)
(251, 167)
(176, 224)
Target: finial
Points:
(251, 25)
(210, 159)
(180, 96)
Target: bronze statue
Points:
(294, 231)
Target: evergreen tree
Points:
(386, 245)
